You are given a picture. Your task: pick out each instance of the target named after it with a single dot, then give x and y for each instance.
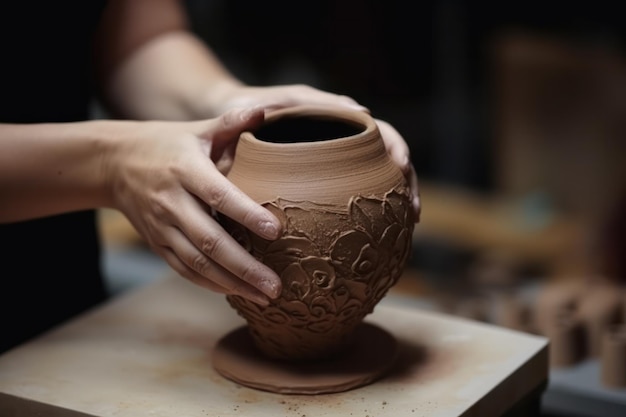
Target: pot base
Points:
(373, 353)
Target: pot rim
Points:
(363, 120)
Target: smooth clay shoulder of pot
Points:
(324, 172)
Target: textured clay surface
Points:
(373, 353)
(347, 227)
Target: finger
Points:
(184, 258)
(415, 195)
(326, 98)
(226, 198)
(396, 146)
(399, 152)
(222, 195)
(219, 246)
(183, 270)
(229, 125)
(295, 94)
(224, 130)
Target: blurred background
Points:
(523, 103)
(515, 113)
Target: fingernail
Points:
(268, 230)
(270, 287)
(250, 112)
(246, 114)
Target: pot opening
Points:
(306, 129)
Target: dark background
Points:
(424, 66)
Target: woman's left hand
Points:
(230, 95)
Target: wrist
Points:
(216, 98)
(113, 141)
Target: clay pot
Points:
(512, 312)
(553, 300)
(613, 356)
(347, 226)
(600, 308)
(567, 336)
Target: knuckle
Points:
(202, 265)
(218, 196)
(249, 274)
(211, 246)
(159, 208)
(162, 206)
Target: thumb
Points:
(223, 131)
(234, 121)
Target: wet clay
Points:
(347, 223)
(372, 354)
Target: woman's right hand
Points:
(168, 177)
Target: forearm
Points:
(183, 82)
(48, 169)
(151, 66)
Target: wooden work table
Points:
(147, 353)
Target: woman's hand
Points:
(398, 149)
(168, 177)
(229, 94)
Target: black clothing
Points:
(50, 267)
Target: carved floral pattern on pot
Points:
(333, 275)
(347, 219)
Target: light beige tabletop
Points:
(147, 353)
